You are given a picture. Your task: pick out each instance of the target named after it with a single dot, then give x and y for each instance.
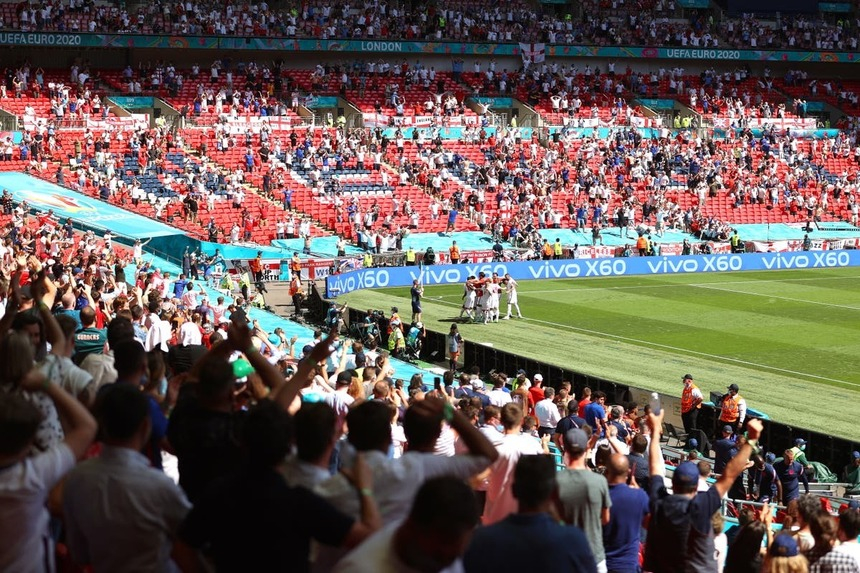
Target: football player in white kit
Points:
(511, 290)
(491, 308)
(469, 296)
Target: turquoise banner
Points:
(694, 3)
(657, 104)
(321, 102)
(65, 40)
(133, 102)
(839, 7)
(496, 101)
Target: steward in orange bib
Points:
(691, 401)
(733, 408)
(296, 265)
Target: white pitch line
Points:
(683, 350)
(710, 286)
(527, 292)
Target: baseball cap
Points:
(686, 474)
(521, 372)
(728, 428)
(854, 504)
(575, 438)
(783, 545)
(770, 457)
(799, 442)
(393, 309)
(538, 377)
(344, 378)
(855, 455)
(688, 377)
(694, 443)
(734, 387)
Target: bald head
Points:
(617, 469)
(69, 301)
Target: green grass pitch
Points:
(789, 339)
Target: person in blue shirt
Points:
(724, 449)
(595, 414)
(179, 286)
(762, 482)
(790, 474)
(452, 220)
(629, 514)
(530, 540)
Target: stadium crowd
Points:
(144, 428)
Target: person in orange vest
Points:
(642, 246)
(296, 293)
(733, 409)
(454, 253)
(256, 266)
(691, 402)
(546, 250)
(296, 265)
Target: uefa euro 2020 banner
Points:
(585, 268)
(87, 40)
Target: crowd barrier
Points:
(575, 268)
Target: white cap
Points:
(538, 377)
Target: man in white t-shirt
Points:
(498, 396)
(500, 498)
(437, 531)
(399, 479)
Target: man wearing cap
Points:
(851, 475)
(583, 496)
(680, 534)
(733, 409)
(691, 402)
(536, 391)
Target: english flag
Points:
(535, 53)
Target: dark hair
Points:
(67, 324)
(267, 435)
(746, 547)
(120, 409)
(314, 429)
(129, 356)
(534, 480)
(639, 444)
(446, 504)
(19, 420)
(118, 331)
(369, 426)
(849, 523)
(808, 507)
(215, 377)
(421, 431)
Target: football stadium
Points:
(438, 287)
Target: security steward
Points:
(733, 409)
(691, 402)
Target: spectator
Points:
(846, 555)
(315, 431)
(259, 498)
(784, 555)
(530, 539)
(680, 532)
(433, 537)
(120, 513)
(500, 499)
(627, 518)
(27, 478)
(583, 496)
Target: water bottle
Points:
(655, 403)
